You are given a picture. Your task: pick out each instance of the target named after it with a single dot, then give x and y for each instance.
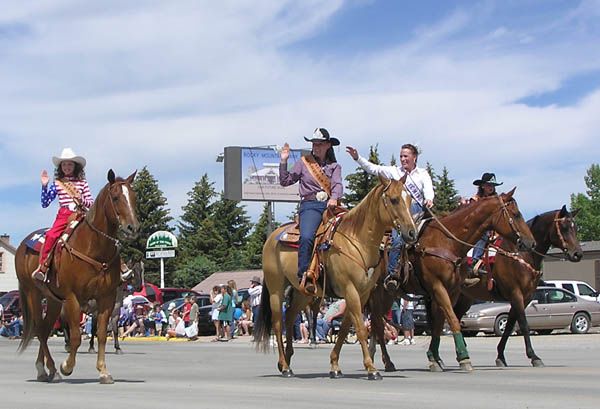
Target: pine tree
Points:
(256, 241)
(360, 182)
(232, 224)
(193, 271)
(153, 216)
(393, 161)
(446, 196)
(588, 219)
(193, 221)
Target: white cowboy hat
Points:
(68, 154)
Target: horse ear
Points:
(403, 178)
(131, 177)
(111, 176)
(563, 211)
(384, 181)
(510, 194)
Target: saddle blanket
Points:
(36, 240)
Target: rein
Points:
(100, 266)
(563, 243)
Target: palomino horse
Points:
(353, 265)
(517, 278)
(89, 270)
(437, 257)
(134, 279)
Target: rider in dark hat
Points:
(486, 186)
(320, 178)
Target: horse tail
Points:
(264, 324)
(28, 322)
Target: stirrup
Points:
(308, 284)
(471, 281)
(391, 282)
(38, 274)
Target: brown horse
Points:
(90, 271)
(516, 280)
(353, 265)
(437, 257)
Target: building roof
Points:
(586, 246)
(8, 247)
(241, 278)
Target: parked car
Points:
(205, 324)
(171, 293)
(551, 308)
(580, 288)
(10, 304)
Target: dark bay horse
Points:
(134, 279)
(353, 265)
(437, 257)
(517, 279)
(91, 270)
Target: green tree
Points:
(233, 225)
(446, 196)
(588, 219)
(153, 215)
(360, 182)
(193, 223)
(253, 252)
(193, 271)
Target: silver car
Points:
(550, 309)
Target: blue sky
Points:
(506, 86)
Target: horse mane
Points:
(355, 218)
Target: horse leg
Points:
(536, 361)
(444, 302)
(71, 312)
(377, 337)
(334, 356)
(114, 325)
(299, 301)
(436, 364)
(312, 322)
(105, 308)
(275, 301)
(52, 312)
(34, 309)
(510, 326)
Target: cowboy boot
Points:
(472, 274)
(40, 272)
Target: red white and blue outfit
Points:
(68, 206)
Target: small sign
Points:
(160, 254)
(161, 239)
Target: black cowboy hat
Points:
(489, 178)
(322, 135)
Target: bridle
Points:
(511, 222)
(387, 203)
(116, 214)
(563, 243)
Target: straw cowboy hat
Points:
(322, 135)
(68, 154)
(488, 178)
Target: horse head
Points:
(120, 205)
(135, 275)
(509, 222)
(396, 203)
(564, 234)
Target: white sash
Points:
(414, 191)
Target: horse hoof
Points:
(336, 374)
(119, 351)
(374, 376)
(64, 371)
(55, 377)
(91, 351)
(106, 379)
(288, 373)
(67, 348)
(390, 368)
(537, 363)
(43, 378)
(279, 367)
(501, 364)
(466, 366)
(435, 367)
(313, 345)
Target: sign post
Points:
(161, 244)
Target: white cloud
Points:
(168, 85)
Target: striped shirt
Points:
(52, 190)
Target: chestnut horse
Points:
(516, 280)
(437, 257)
(90, 271)
(353, 265)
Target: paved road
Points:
(228, 375)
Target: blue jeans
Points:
(311, 214)
(397, 316)
(480, 247)
(398, 241)
(12, 329)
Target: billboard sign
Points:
(253, 174)
(160, 240)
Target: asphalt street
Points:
(233, 375)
